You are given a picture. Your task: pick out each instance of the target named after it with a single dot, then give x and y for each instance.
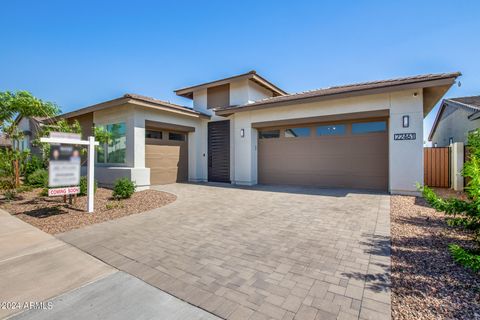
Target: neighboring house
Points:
(29, 126)
(245, 130)
(456, 117)
(5, 143)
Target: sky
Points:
(78, 53)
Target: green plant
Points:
(33, 164)
(24, 188)
(43, 192)
(10, 194)
(38, 179)
(83, 186)
(466, 258)
(113, 205)
(123, 188)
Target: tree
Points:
(13, 106)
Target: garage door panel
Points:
(347, 161)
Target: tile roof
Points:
(347, 88)
(161, 102)
(473, 101)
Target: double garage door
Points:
(343, 155)
(166, 154)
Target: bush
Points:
(38, 178)
(123, 188)
(32, 165)
(83, 186)
(466, 258)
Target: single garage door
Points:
(341, 155)
(166, 154)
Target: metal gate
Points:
(436, 167)
(219, 151)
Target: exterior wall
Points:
(406, 157)
(257, 92)
(454, 123)
(402, 178)
(86, 122)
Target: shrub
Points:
(123, 188)
(83, 186)
(466, 258)
(32, 165)
(38, 178)
(10, 194)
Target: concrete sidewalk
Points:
(35, 267)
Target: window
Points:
(153, 134)
(176, 136)
(450, 141)
(114, 150)
(297, 132)
(331, 130)
(369, 127)
(269, 134)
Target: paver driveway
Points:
(258, 253)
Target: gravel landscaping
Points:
(53, 216)
(426, 282)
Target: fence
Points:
(437, 167)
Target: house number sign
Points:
(404, 136)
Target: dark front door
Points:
(219, 151)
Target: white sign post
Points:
(91, 143)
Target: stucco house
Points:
(245, 130)
(455, 118)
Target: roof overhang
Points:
(252, 75)
(433, 91)
(126, 100)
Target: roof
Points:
(139, 100)
(355, 89)
(472, 103)
(252, 75)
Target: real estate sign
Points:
(64, 166)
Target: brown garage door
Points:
(343, 155)
(166, 154)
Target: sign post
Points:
(72, 139)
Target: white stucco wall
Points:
(455, 124)
(406, 157)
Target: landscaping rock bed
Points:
(426, 282)
(53, 216)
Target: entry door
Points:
(219, 151)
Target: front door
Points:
(219, 151)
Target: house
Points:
(245, 130)
(30, 127)
(456, 117)
(5, 142)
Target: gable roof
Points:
(472, 103)
(187, 92)
(137, 100)
(362, 88)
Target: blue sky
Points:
(77, 53)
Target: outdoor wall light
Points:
(406, 121)
(242, 133)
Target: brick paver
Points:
(258, 253)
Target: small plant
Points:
(123, 188)
(83, 186)
(113, 205)
(10, 194)
(24, 188)
(466, 258)
(38, 178)
(44, 192)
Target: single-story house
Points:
(455, 119)
(245, 130)
(29, 126)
